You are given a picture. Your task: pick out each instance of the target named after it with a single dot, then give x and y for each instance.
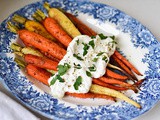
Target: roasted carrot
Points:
(107, 91)
(38, 73)
(33, 26)
(139, 83)
(110, 73)
(53, 27)
(114, 81)
(90, 95)
(41, 62)
(42, 75)
(46, 54)
(126, 62)
(62, 20)
(84, 29)
(36, 27)
(25, 50)
(42, 43)
(101, 83)
(124, 67)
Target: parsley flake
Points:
(112, 37)
(95, 59)
(78, 82)
(91, 43)
(77, 56)
(99, 54)
(93, 37)
(102, 36)
(88, 74)
(93, 68)
(85, 48)
(77, 41)
(62, 69)
(57, 77)
(105, 59)
(78, 66)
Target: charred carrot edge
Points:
(117, 82)
(90, 95)
(126, 62)
(115, 75)
(123, 66)
(38, 73)
(114, 81)
(101, 83)
(42, 43)
(84, 29)
(41, 62)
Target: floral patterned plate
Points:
(135, 41)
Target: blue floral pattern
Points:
(53, 108)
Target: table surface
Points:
(145, 11)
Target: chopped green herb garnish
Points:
(95, 59)
(102, 36)
(93, 37)
(78, 66)
(88, 74)
(113, 37)
(113, 42)
(78, 82)
(77, 41)
(57, 77)
(91, 43)
(62, 69)
(93, 68)
(78, 57)
(99, 54)
(53, 81)
(105, 59)
(85, 49)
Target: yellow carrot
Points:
(63, 21)
(107, 91)
(33, 26)
(25, 50)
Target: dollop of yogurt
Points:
(86, 58)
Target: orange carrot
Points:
(46, 54)
(110, 73)
(114, 81)
(90, 95)
(42, 75)
(41, 62)
(38, 73)
(126, 62)
(42, 43)
(139, 83)
(124, 67)
(84, 29)
(101, 83)
(117, 82)
(54, 29)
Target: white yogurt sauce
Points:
(86, 58)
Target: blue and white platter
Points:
(135, 42)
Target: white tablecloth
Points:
(11, 110)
